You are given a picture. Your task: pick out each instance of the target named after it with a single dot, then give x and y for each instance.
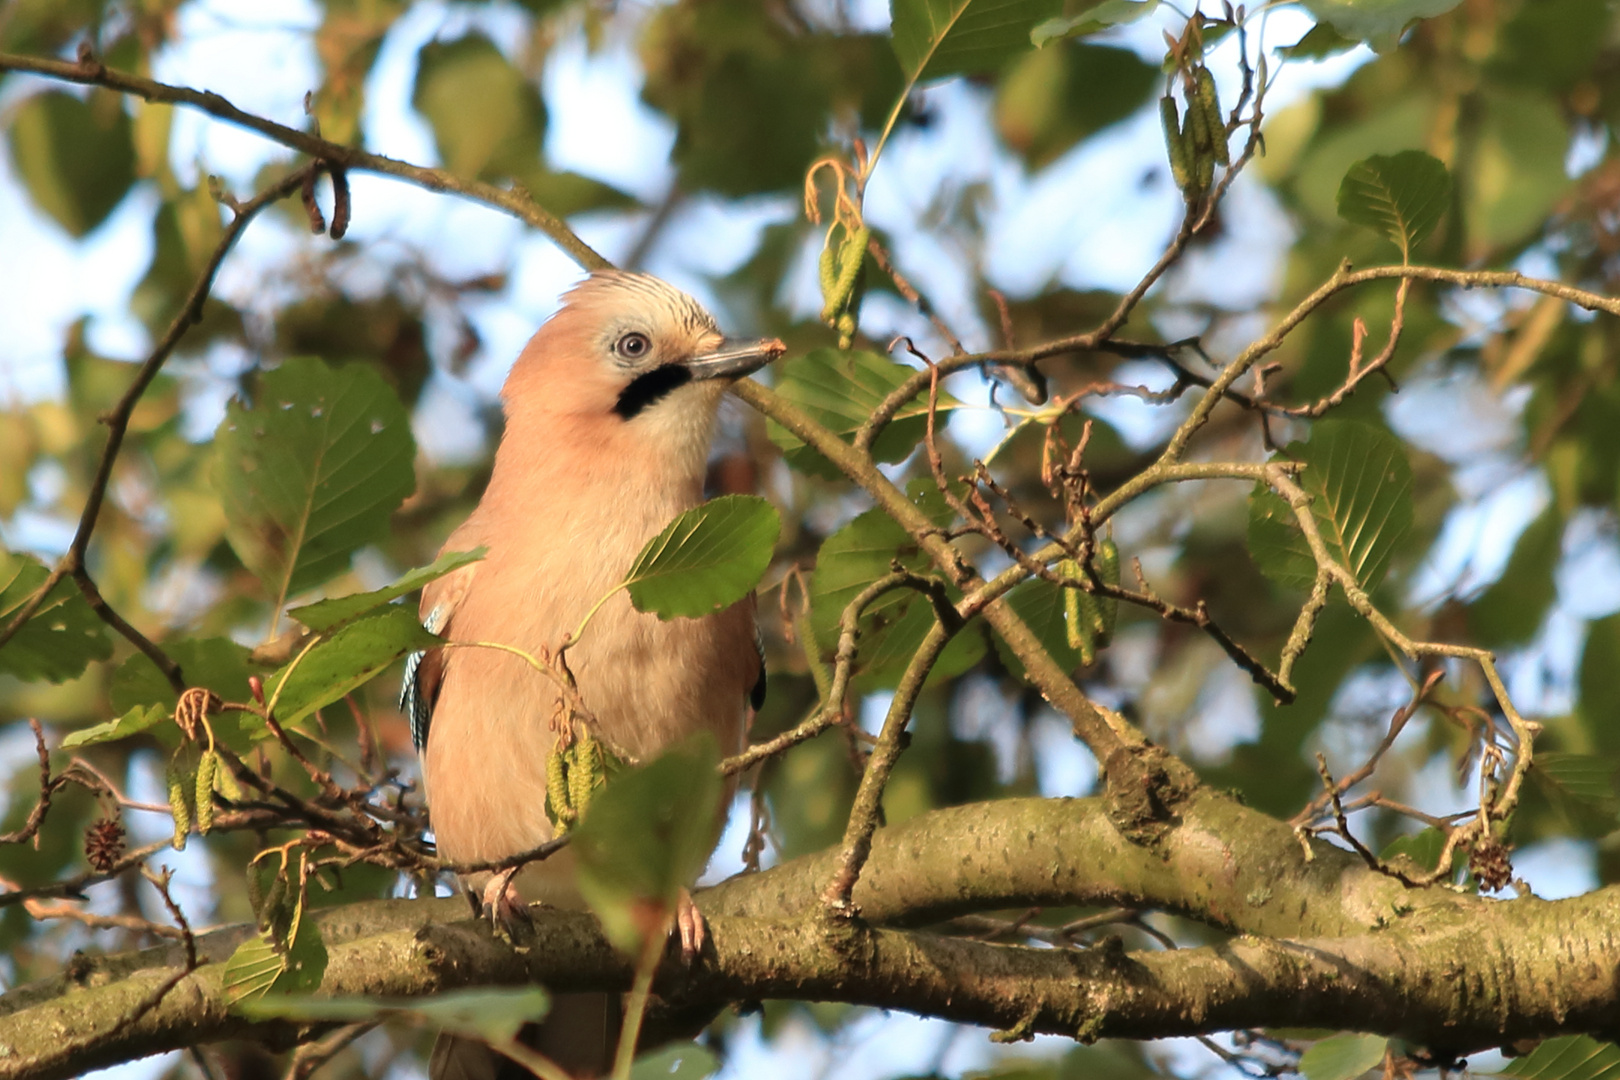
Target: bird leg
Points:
(691, 925)
(502, 905)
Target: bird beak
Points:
(735, 358)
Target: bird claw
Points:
(503, 907)
(692, 927)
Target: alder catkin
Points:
(207, 769)
(1207, 102)
(1107, 606)
(557, 790)
(179, 802)
(1175, 142)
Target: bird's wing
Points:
(425, 670)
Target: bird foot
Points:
(690, 924)
(504, 908)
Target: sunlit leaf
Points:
(138, 719)
(63, 635)
(895, 623)
(936, 38)
(311, 471)
(1568, 1057)
(646, 836)
(840, 390)
(354, 654)
(707, 559)
(1581, 787)
(683, 1061)
(1362, 19)
(1400, 195)
(1098, 16)
(487, 119)
(325, 614)
(1343, 1057)
(1361, 498)
(76, 157)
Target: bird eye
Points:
(633, 346)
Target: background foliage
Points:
(1477, 504)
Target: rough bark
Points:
(1321, 941)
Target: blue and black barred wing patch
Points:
(421, 686)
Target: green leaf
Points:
(1099, 16)
(1361, 497)
(1362, 19)
(251, 970)
(1400, 195)
(356, 653)
(495, 1015)
(894, 624)
(63, 635)
(840, 390)
(138, 719)
(487, 118)
(1052, 98)
(1422, 847)
(684, 1061)
(325, 614)
(75, 156)
(936, 38)
(707, 559)
(312, 471)
(1581, 787)
(647, 835)
(1568, 1057)
(219, 664)
(1343, 1057)
(1039, 603)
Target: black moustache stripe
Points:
(645, 389)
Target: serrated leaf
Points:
(707, 559)
(1361, 497)
(1399, 195)
(894, 624)
(1343, 1057)
(936, 38)
(356, 653)
(1095, 18)
(840, 390)
(1569, 1057)
(63, 635)
(76, 157)
(647, 835)
(287, 956)
(684, 1061)
(1363, 19)
(138, 719)
(251, 970)
(325, 614)
(1581, 787)
(312, 471)
(495, 1015)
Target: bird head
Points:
(630, 351)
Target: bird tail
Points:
(580, 1034)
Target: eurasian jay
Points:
(610, 412)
